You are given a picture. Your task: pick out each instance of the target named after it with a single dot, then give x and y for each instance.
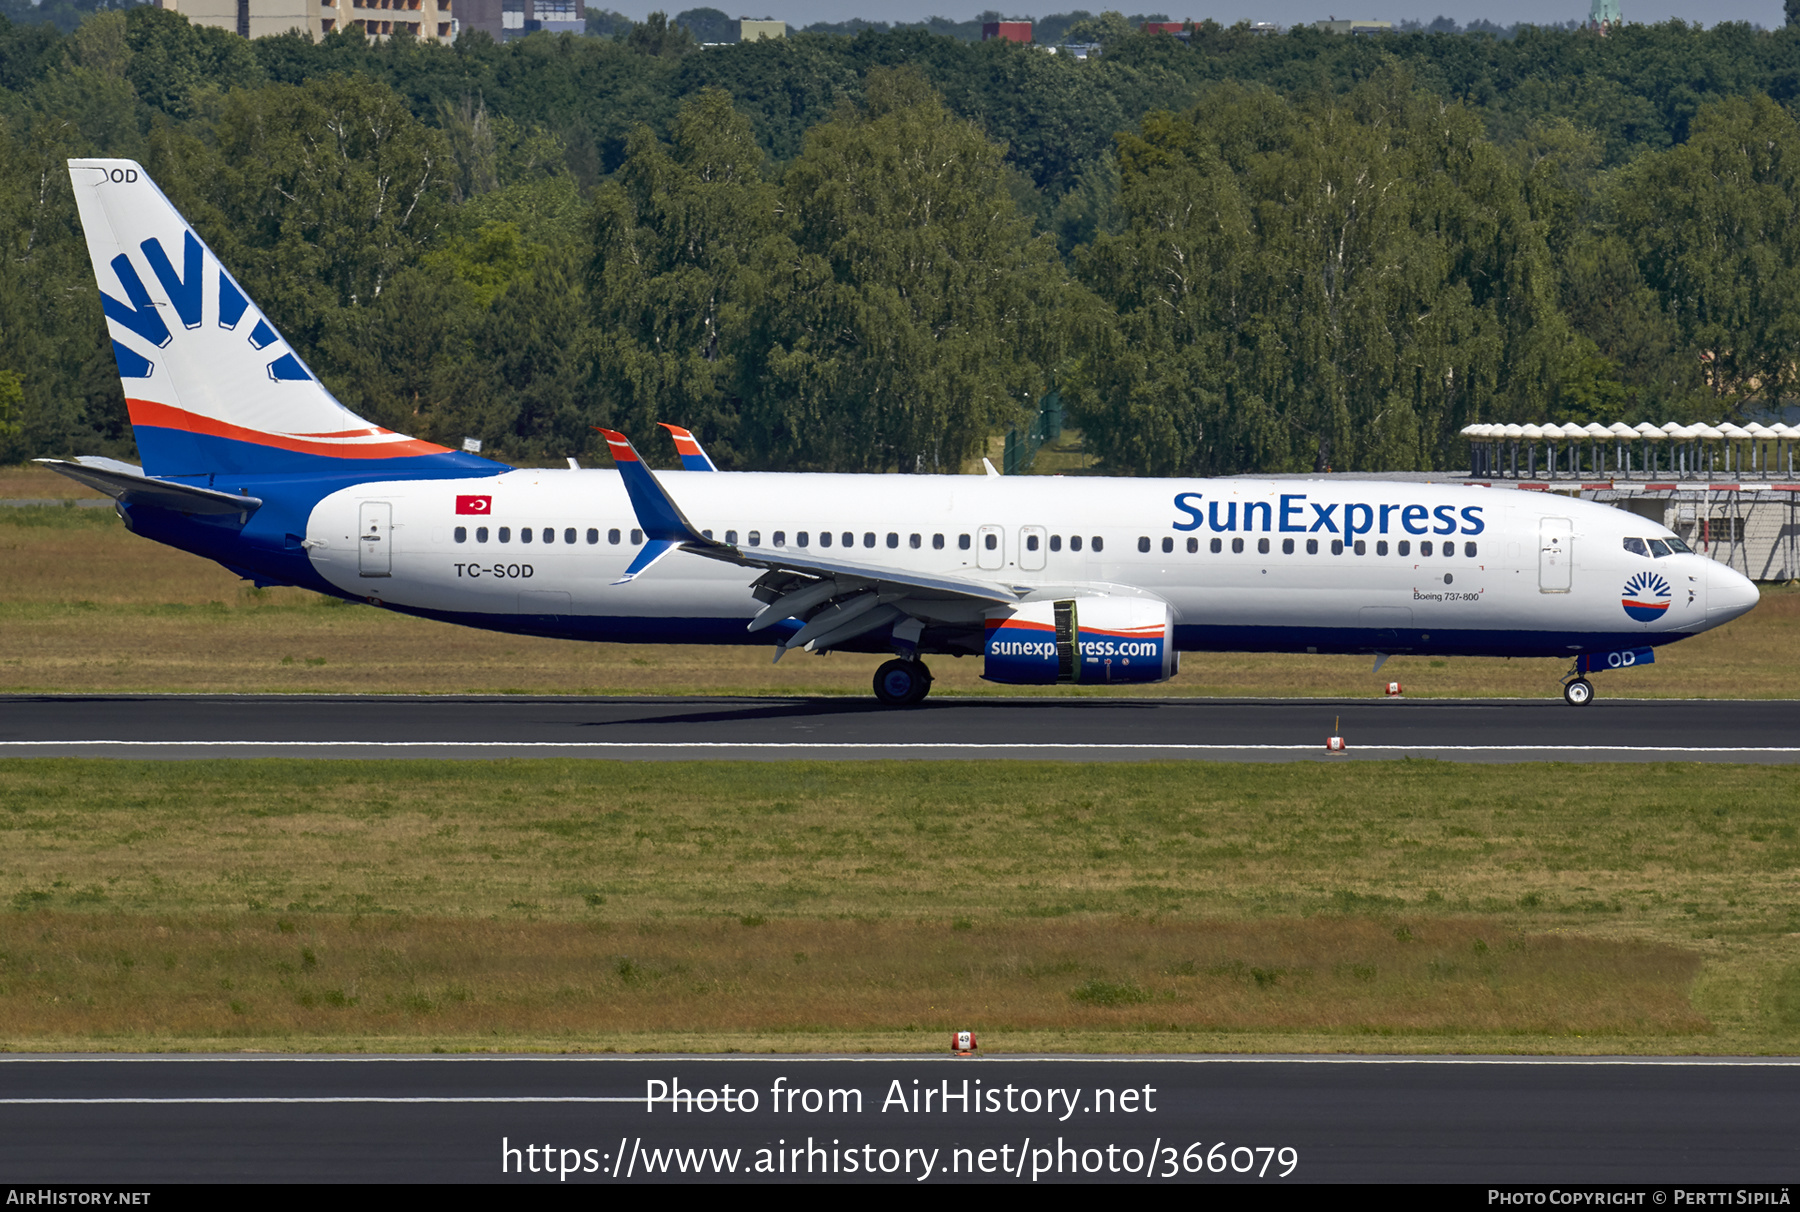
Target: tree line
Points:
(872, 252)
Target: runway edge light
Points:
(962, 1043)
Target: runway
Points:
(1067, 729)
(1261, 1119)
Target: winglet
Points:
(692, 457)
(661, 518)
(653, 551)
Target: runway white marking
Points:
(975, 746)
(85, 1102)
(1375, 1058)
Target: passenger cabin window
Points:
(593, 535)
(917, 541)
(937, 542)
(849, 539)
(1099, 543)
(1469, 550)
(1262, 546)
(1312, 547)
(1143, 543)
(1381, 547)
(1194, 545)
(481, 534)
(1287, 547)
(824, 538)
(1337, 547)
(1405, 547)
(1237, 545)
(1218, 545)
(1074, 542)
(1168, 544)
(990, 541)
(802, 539)
(637, 536)
(569, 535)
(779, 538)
(1425, 547)
(462, 534)
(1055, 542)
(869, 538)
(1637, 547)
(506, 534)
(962, 542)
(1361, 548)
(893, 539)
(549, 534)
(755, 538)
(731, 537)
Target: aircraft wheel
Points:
(1578, 693)
(900, 683)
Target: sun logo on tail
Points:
(1646, 597)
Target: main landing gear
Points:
(902, 683)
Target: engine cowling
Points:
(1090, 640)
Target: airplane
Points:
(248, 460)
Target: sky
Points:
(1766, 13)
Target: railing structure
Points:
(1620, 451)
(1754, 528)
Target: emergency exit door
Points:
(1556, 554)
(990, 547)
(375, 543)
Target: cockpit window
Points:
(1636, 547)
(1658, 548)
(1677, 547)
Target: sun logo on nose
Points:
(1646, 597)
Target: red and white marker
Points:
(1393, 690)
(1334, 744)
(962, 1043)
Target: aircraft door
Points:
(990, 547)
(1556, 554)
(374, 543)
(1031, 548)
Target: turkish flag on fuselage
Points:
(475, 505)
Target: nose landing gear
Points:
(902, 683)
(1578, 692)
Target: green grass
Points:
(1529, 907)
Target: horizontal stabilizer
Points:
(130, 486)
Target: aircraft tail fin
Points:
(210, 384)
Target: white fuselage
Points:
(1441, 567)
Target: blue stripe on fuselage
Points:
(163, 450)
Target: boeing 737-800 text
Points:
(248, 460)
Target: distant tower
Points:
(1604, 15)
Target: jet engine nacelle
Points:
(1091, 640)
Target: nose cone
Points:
(1728, 594)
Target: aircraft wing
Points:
(130, 486)
(838, 599)
(935, 584)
